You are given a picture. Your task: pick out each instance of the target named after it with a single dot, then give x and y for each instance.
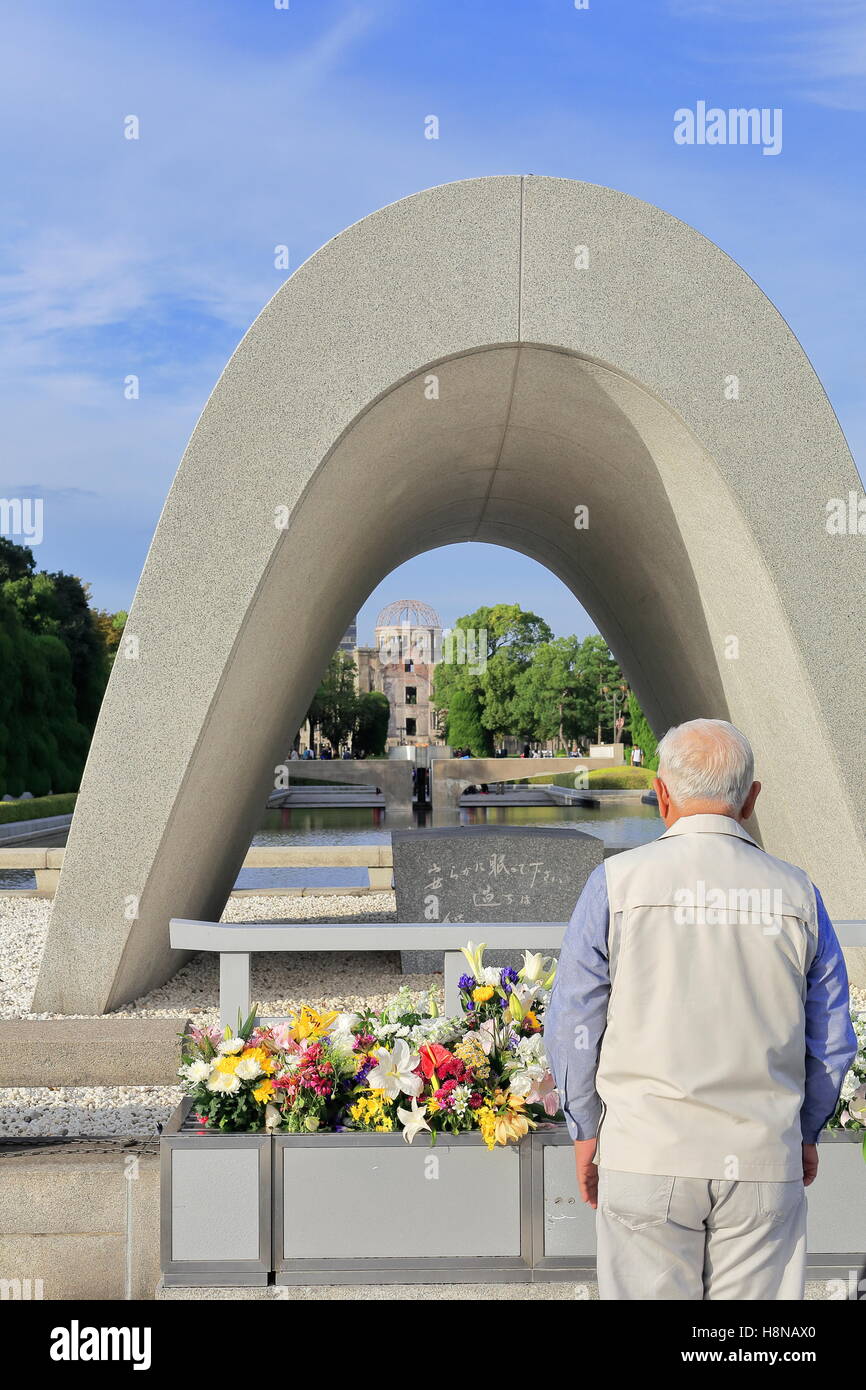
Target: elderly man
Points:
(699, 1033)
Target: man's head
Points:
(706, 767)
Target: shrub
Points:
(37, 809)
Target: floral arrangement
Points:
(851, 1111)
(403, 1068)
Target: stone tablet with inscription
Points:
(489, 874)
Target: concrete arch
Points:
(455, 368)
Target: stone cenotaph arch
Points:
(545, 365)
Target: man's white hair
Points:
(707, 760)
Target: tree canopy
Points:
(509, 676)
(54, 662)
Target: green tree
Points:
(334, 706)
(58, 605)
(553, 697)
(111, 627)
(464, 728)
(370, 737)
(642, 735)
(486, 667)
(54, 668)
(43, 744)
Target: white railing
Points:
(236, 941)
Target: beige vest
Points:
(702, 1065)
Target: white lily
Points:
(474, 957)
(395, 1071)
(532, 968)
(412, 1120)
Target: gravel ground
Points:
(280, 983)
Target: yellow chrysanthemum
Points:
(487, 1125)
(262, 1056)
(482, 993)
(263, 1091)
(228, 1064)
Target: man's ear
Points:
(749, 803)
(661, 792)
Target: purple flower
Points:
(467, 982)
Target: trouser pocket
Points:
(636, 1200)
(778, 1200)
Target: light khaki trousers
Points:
(699, 1238)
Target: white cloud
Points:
(817, 47)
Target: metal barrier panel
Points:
(215, 1205)
(386, 1212)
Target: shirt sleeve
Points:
(831, 1043)
(576, 1015)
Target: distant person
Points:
(307, 753)
(636, 756)
(347, 753)
(326, 755)
(708, 991)
(294, 756)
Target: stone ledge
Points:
(90, 1051)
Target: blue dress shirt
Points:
(582, 989)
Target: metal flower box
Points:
(358, 1208)
(215, 1205)
(353, 1208)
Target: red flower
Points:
(445, 1095)
(436, 1058)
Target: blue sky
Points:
(262, 126)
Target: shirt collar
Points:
(708, 824)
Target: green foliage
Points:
(464, 726)
(642, 735)
(37, 809)
(371, 725)
(54, 666)
(111, 626)
(534, 687)
(334, 707)
(621, 778)
(505, 639)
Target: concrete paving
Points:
(420, 1293)
(90, 1051)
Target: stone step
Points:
(90, 1051)
(79, 1219)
